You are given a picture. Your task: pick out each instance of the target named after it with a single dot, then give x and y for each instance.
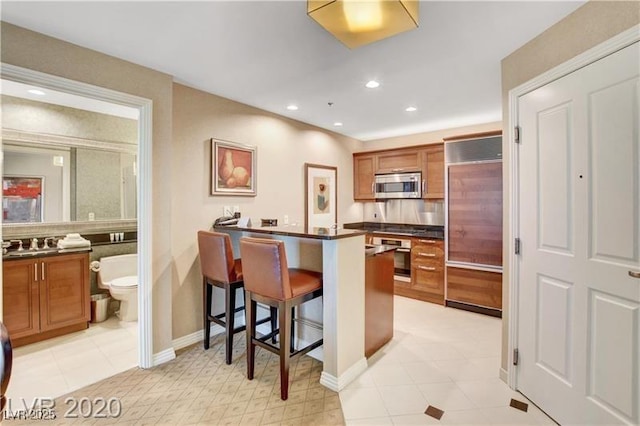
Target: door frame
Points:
(144, 196)
(594, 54)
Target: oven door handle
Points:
(403, 249)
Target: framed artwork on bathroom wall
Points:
(320, 200)
(233, 168)
(22, 199)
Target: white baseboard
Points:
(336, 384)
(163, 356)
(195, 337)
(504, 375)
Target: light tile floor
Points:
(439, 356)
(57, 366)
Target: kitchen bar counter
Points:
(339, 255)
(298, 231)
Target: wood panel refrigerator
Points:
(473, 224)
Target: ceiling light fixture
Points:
(359, 22)
(36, 92)
(292, 107)
(372, 84)
(337, 124)
(411, 109)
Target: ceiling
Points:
(270, 54)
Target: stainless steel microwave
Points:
(399, 185)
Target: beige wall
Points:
(38, 52)
(427, 137)
(283, 146)
(588, 26)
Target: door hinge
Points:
(515, 356)
(516, 134)
(517, 245)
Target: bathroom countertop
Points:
(31, 254)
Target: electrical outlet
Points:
(286, 219)
(227, 211)
(92, 216)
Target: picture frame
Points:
(320, 200)
(233, 168)
(23, 199)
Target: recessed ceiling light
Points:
(292, 107)
(337, 124)
(411, 109)
(36, 92)
(372, 84)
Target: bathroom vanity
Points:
(45, 294)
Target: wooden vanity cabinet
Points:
(46, 296)
(364, 170)
(427, 272)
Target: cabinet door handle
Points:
(373, 185)
(424, 186)
(634, 274)
(35, 270)
(427, 254)
(426, 268)
(428, 241)
(397, 170)
(42, 270)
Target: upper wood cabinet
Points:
(364, 169)
(399, 161)
(433, 171)
(428, 159)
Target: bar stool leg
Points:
(250, 312)
(274, 321)
(206, 310)
(293, 328)
(285, 345)
(229, 319)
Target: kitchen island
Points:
(339, 255)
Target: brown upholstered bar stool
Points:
(7, 362)
(268, 280)
(220, 269)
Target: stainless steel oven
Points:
(402, 256)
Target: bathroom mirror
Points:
(62, 183)
(66, 158)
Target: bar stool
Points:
(268, 280)
(220, 269)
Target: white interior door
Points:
(579, 215)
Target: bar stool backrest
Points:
(216, 256)
(265, 268)
(5, 365)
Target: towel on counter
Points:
(73, 241)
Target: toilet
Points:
(119, 274)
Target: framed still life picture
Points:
(321, 182)
(233, 169)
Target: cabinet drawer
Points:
(475, 287)
(428, 278)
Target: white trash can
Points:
(99, 307)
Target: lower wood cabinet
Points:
(378, 304)
(46, 296)
(427, 272)
(474, 287)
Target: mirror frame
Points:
(34, 139)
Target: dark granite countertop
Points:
(409, 230)
(32, 254)
(298, 231)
